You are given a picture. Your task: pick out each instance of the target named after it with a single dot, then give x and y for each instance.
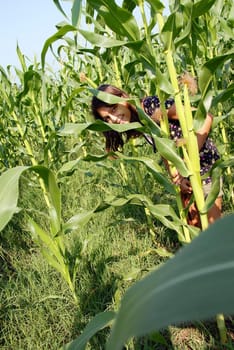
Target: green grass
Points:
(113, 250)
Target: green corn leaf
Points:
(58, 35)
(154, 168)
(89, 13)
(46, 239)
(161, 211)
(110, 42)
(196, 284)
(101, 40)
(148, 122)
(73, 129)
(21, 58)
(54, 193)
(201, 7)
(9, 193)
(167, 31)
(98, 125)
(167, 149)
(164, 83)
(205, 76)
(227, 26)
(99, 322)
(224, 95)
(180, 39)
(208, 70)
(129, 5)
(52, 261)
(69, 167)
(117, 19)
(77, 221)
(217, 120)
(156, 5)
(163, 252)
(31, 80)
(76, 12)
(57, 3)
(72, 96)
(216, 172)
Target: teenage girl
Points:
(124, 112)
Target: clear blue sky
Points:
(30, 22)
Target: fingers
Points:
(177, 178)
(185, 186)
(183, 182)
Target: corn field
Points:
(49, 138)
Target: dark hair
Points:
(114, 140)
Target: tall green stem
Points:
(190, 150)
(194, 166)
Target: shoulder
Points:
(150, 104)
(152, 101)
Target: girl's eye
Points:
(113, 109)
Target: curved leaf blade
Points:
(201, 7)
(167, 149)
(99, 322)
(98, 125)
(118, 19)
(9, 193)
(58, 35)
(196, 284)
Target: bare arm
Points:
(203, 132)
(172, 112)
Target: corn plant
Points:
(31, 115)
(178, 35)
(44, 109)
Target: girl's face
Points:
(115, 114)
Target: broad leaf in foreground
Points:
(196, 284)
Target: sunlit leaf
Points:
(118, 19)
(9, 193)
(60, 33)
(46, 239)
(167, 149)
(54, 193)
(101, 40)
(98, 125)
(77, 221)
